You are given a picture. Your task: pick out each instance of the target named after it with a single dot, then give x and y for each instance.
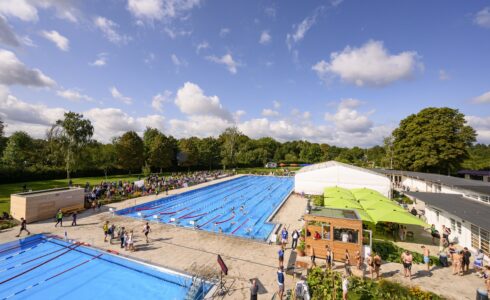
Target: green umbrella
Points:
(364, 215)
(394, 216)
(341, 203)
(382, 205)
(337, 192)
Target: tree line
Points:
(435, 140)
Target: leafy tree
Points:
(479, 158)
(18, 151)
(229, 146)
(3, 139)
(390, 151)
(106, 158)
(435, 140)
(129, 151)
(73, 133)
(189, 152)
(159, 150)
(209, 152)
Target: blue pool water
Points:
(40, 267)
(239, 207)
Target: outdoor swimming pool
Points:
(40, 267)
(239, 207)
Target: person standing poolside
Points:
(106, 230)
(426, 256)
(59, 218)
(122, 235)
(358, 260)
(457, 261)
(466, 260)
(347, 262)
(377, 264)
(74, 219)
(284, 236)
(407, 259)
(146, 230)
(295, 237)
(280, 254)
(254, 290)
(23, 227)
(280, 282)
(130, 242)
(328, 257)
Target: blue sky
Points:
(339, 72)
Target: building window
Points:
(484, 237)
(346, 235)
(480, 239)
(453, 225)
(475, 237)
(326, 231)
(458, 224)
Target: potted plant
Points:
(301, 248)
(302, 235)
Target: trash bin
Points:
(481, 294)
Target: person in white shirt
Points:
(345, 286)
(345, 236)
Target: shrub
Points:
(317, 200)
(391, 253)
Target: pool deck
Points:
(194, 252)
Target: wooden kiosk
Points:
(340, 229)
(42, 205)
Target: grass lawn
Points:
(12, 188)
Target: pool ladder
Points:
(196, 292)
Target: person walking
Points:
(74, 219)
(106, 230)
(59, 218)
(284, 236)
(280, 254)
(254, 290)
(23, 227)
(426, 257)
(146, 231)
(280, 282)
(295, 237)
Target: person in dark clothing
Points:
(74, 219)
(295, 237)
(254, 290)
(466, 260)
(121, 236)
(23, 227)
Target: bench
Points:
(72, 209)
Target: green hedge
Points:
(328, 285)
(391, 253)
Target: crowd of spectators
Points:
(153, 184)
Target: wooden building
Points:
(42, 205)
(340, 229)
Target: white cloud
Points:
(174, 33)
(226, 60)
(191, 100)
(202, 45)
(348, 119)
(200, 126)
(100, 61)
(481, 126)
(60, 41)
(238, 115)
(265, 37)
(158, 100)
(27, 10)
(224, 32)
(443, 75)
(267, 112)
(74, 95)
(7, 35)
(108, 28)
(118, 96)
(270, 11)
(276, 104)
(161, 10)
(482, 18)
(336, 3)
(370, 65)
(113, 122)
(13, 71)
(300, 30)
(178, 62)
(483, 98)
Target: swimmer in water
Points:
(242, 207)
(220, 230)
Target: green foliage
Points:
(479, 158)
(19, 150)
(391, 253)
(317, 200)
(229, 140)
(328, 285)
(435, 140)
(159, 149)
(189, 152)
(129, 150)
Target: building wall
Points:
(417, 185)
(315, 181)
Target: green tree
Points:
(73, 133)
(3, 139)
(188, 155)
(159, 150)
(18, 151)
(433, 140)
(209, 152)
(479, 158)
(229, 146)
(129, 151)
(106, 158)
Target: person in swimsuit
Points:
(452, 250)
(23, 227)
(146, 230)
(377, 264)
(130, 242)
(457, 261)
(407, 259)
(426, 257)
(347, 262)
(358, 260)
(345, 287)
(328, 257)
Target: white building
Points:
(315, 178)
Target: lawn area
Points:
(12, 188)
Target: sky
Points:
(342, 72)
